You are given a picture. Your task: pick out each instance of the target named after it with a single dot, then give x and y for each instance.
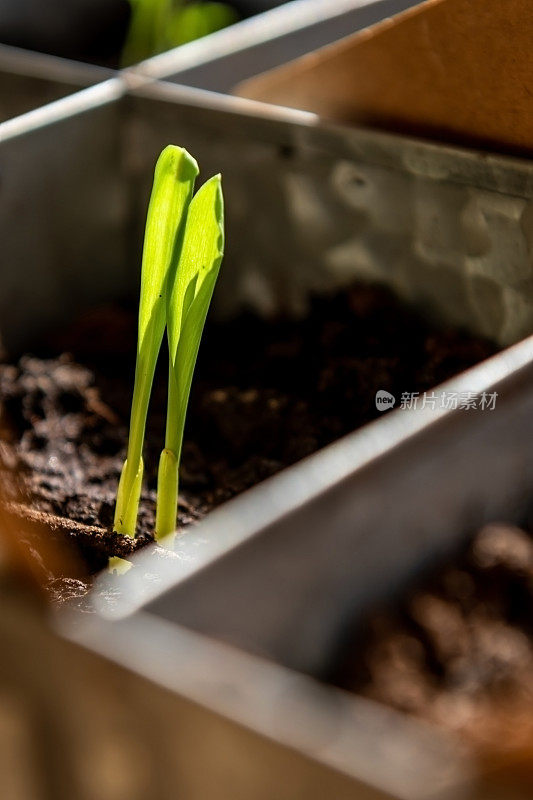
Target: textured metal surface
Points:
(448, 229)
(29, 80)
(219, 61)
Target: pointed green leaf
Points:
(175, 174)
(201, 254)
(191, 334)
(194, 281)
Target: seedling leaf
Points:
(188, 303)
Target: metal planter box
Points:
(449, 231)
(29, 80)
(354, 523)
(167, 711)
(282, 571)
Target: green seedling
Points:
(158, 25)
(183, 249)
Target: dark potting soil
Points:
(265, 394)
(458, 650)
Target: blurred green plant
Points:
(158, 25)
(183, 249)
